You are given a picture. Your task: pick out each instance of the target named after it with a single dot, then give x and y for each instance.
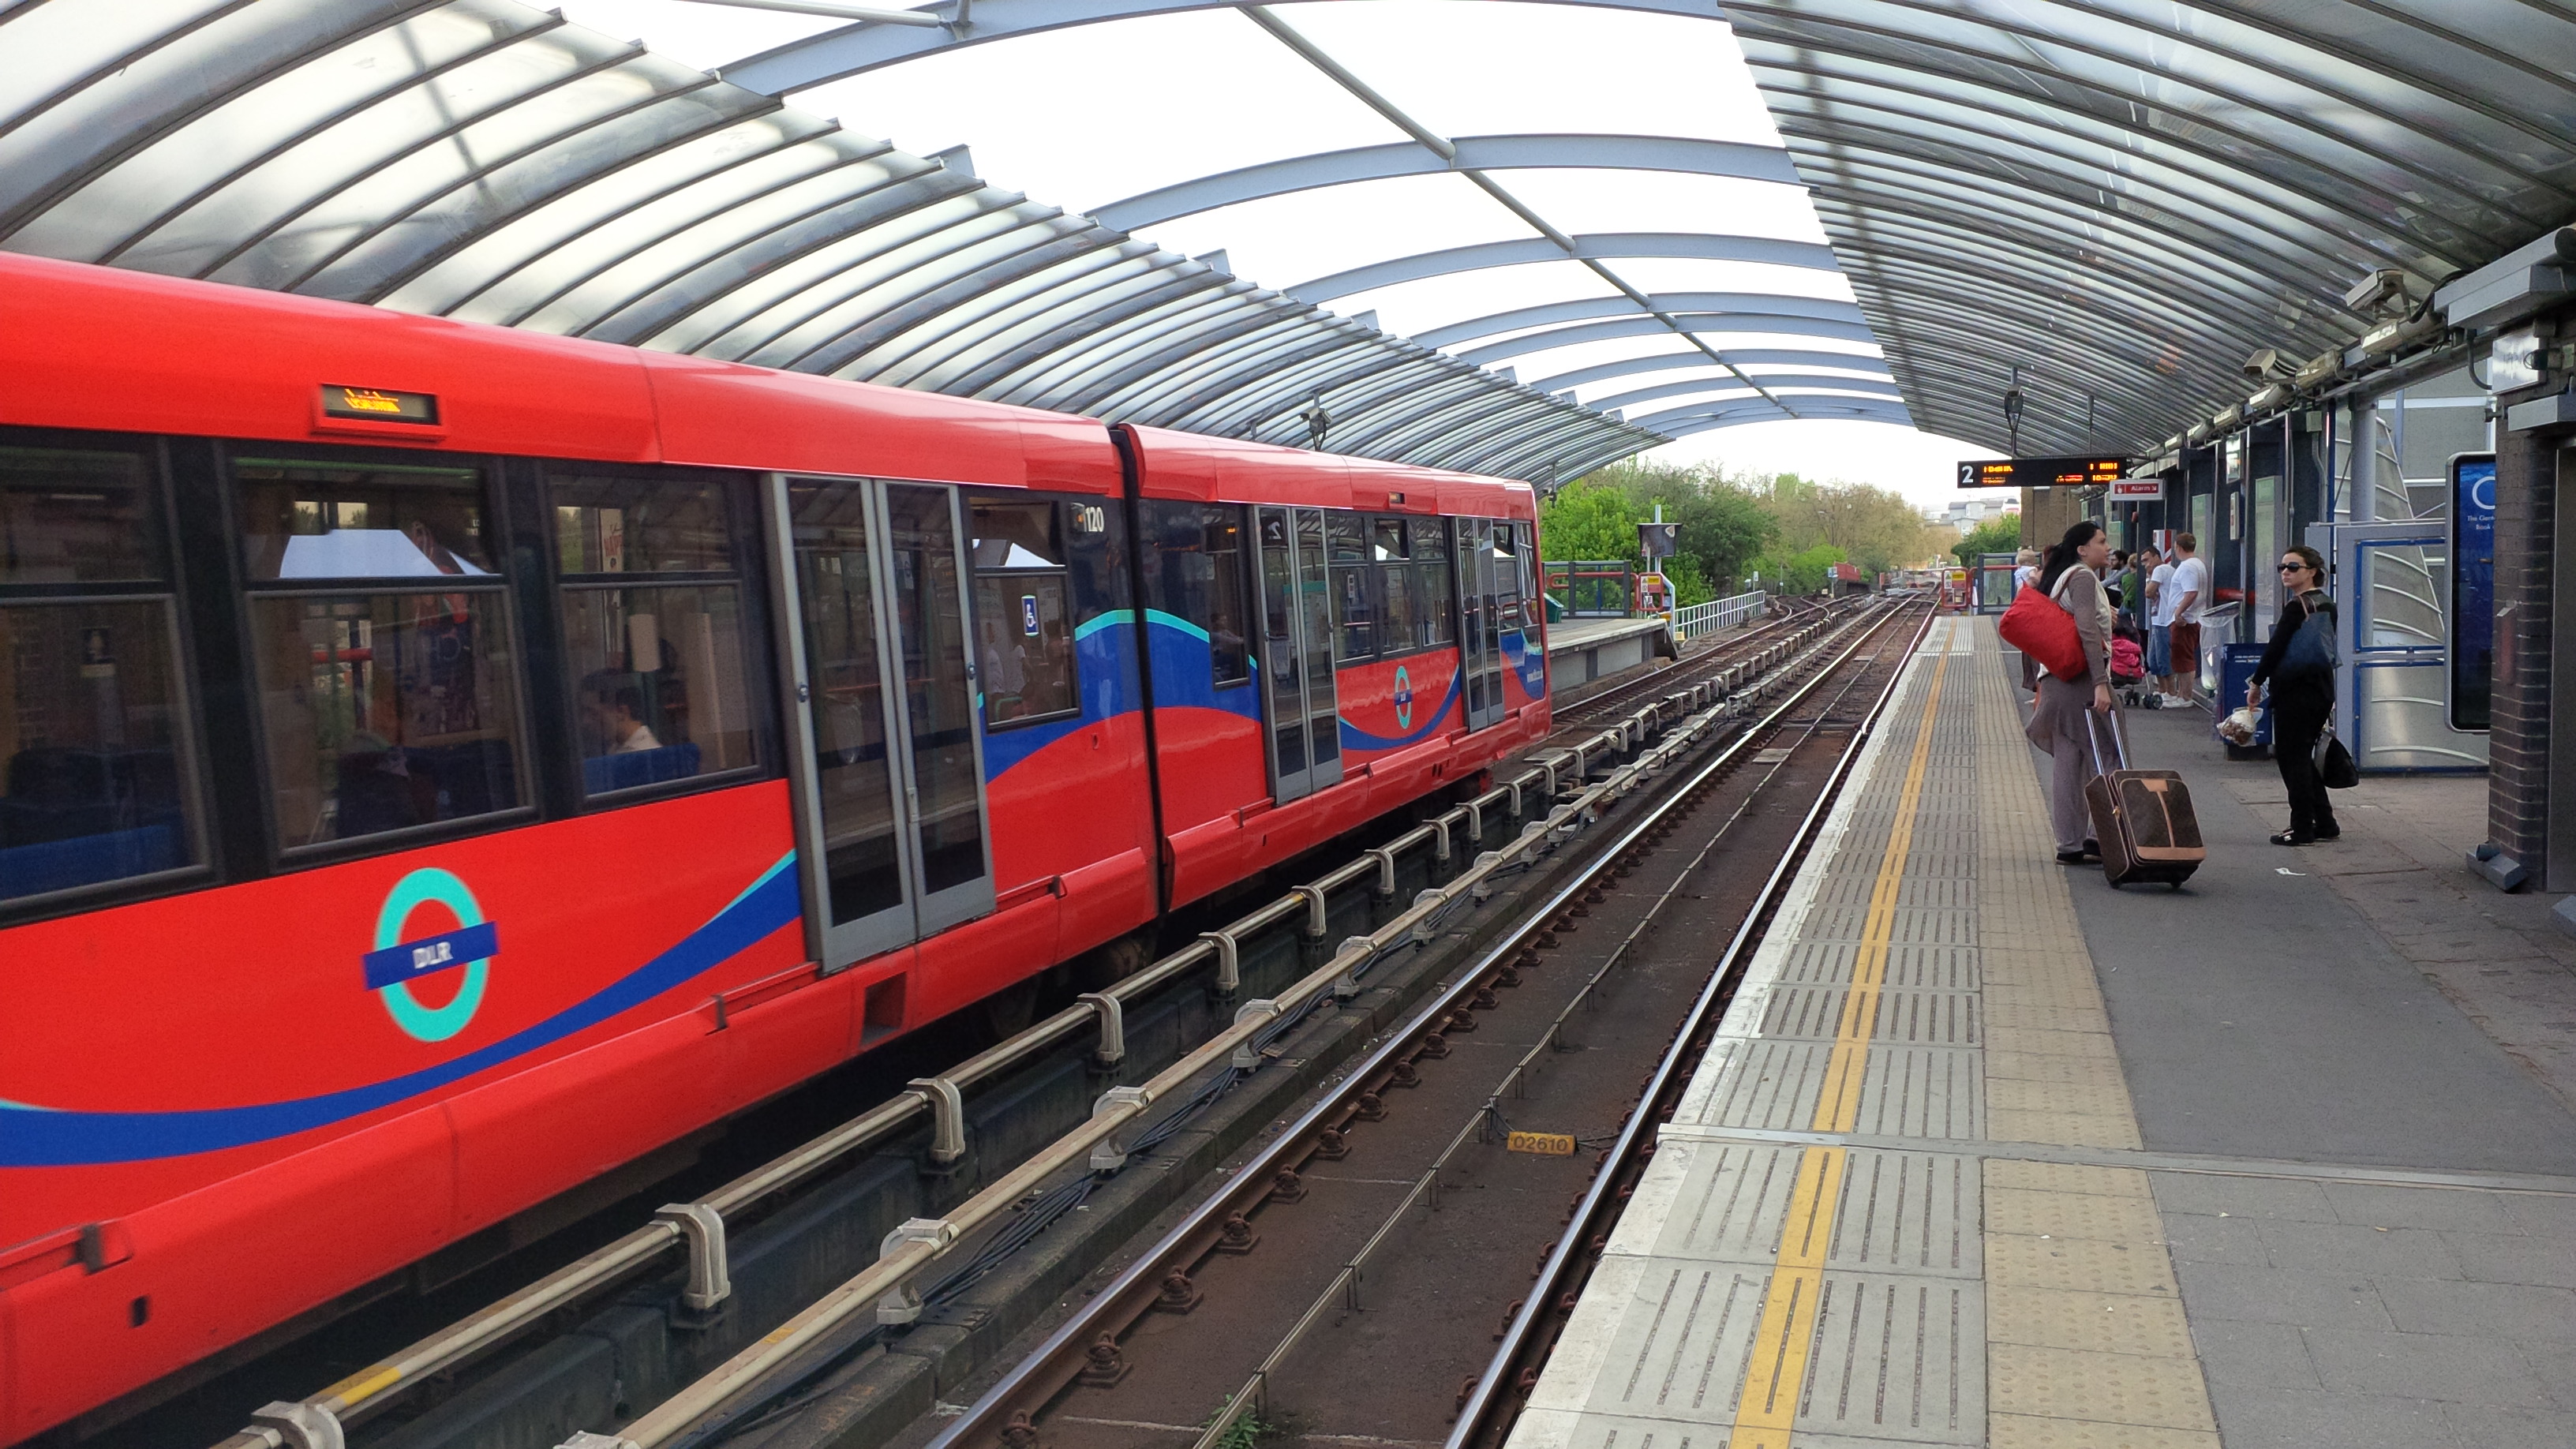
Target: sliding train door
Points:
(1480, 621)
(1299, 696)
(886, 756)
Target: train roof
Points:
(92, 347)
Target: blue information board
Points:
(2473, 480)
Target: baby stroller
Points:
(2129, 666)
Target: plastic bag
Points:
(2238, 728)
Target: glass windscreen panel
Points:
(939, 700)
(853, 769)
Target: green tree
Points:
(1874, 527)
(1586, 520)
(1804, 572)
(1995, 535)
(1723, 527)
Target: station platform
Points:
(1986, 1152)
(1580, 651)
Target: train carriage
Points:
(444, 764)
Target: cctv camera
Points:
(2381, 294)
(2268, 366)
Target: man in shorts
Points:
(2159, 634)
(2188, 591)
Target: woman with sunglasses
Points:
(2301, 703)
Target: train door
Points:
(1480, 622)
(886, 754)
(1297, 654)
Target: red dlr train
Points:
(441, 764)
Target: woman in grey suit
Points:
(2059, 724)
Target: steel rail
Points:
(1485, 1400)
(319, 1422)
(1345, 1283)
(1037, 1378)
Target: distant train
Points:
(444, 764)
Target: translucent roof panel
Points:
(2125, 198)
(488, 160)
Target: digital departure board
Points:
(377, 404)
(2041, 472)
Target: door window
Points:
(939, 698)
(852, 781)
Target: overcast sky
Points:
(1082, 117)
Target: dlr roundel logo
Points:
(403, 955)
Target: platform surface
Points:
(1988, 1153)
(1567, 635)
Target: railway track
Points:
(1353, 1277)
(1591, 711)
(468, 1349)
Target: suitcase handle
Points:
(2119, 746)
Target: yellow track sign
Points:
(1545, 1144)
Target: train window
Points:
(1229, 624)
(659, 672)
(389, 698)
(361, 520)
(1386, 540)
(77, 516)
(640, 523)
(1435, 603)
(1354, 585)
(1015, 535)
(1346, 537)
(1024, 643)
(1399, 622)
(95, 785)
(1507, 575)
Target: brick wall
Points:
(2518, 748)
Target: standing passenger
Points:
(2060, 725)
(2187, 593)
(2301, 702)
(2025, 574)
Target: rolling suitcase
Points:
(2142, 818)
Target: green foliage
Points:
(1722, 525)
(1803, 572)
(1874, 527)
(1588, 521)
(1995, 535)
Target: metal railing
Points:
(1717, 614)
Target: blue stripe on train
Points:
(35, 1136)
(1355, 738)
(1105, 662)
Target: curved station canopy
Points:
(2105, 204)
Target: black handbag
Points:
(2335, 768)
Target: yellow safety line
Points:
(1778, 1363)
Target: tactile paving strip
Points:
(1883, 1322)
